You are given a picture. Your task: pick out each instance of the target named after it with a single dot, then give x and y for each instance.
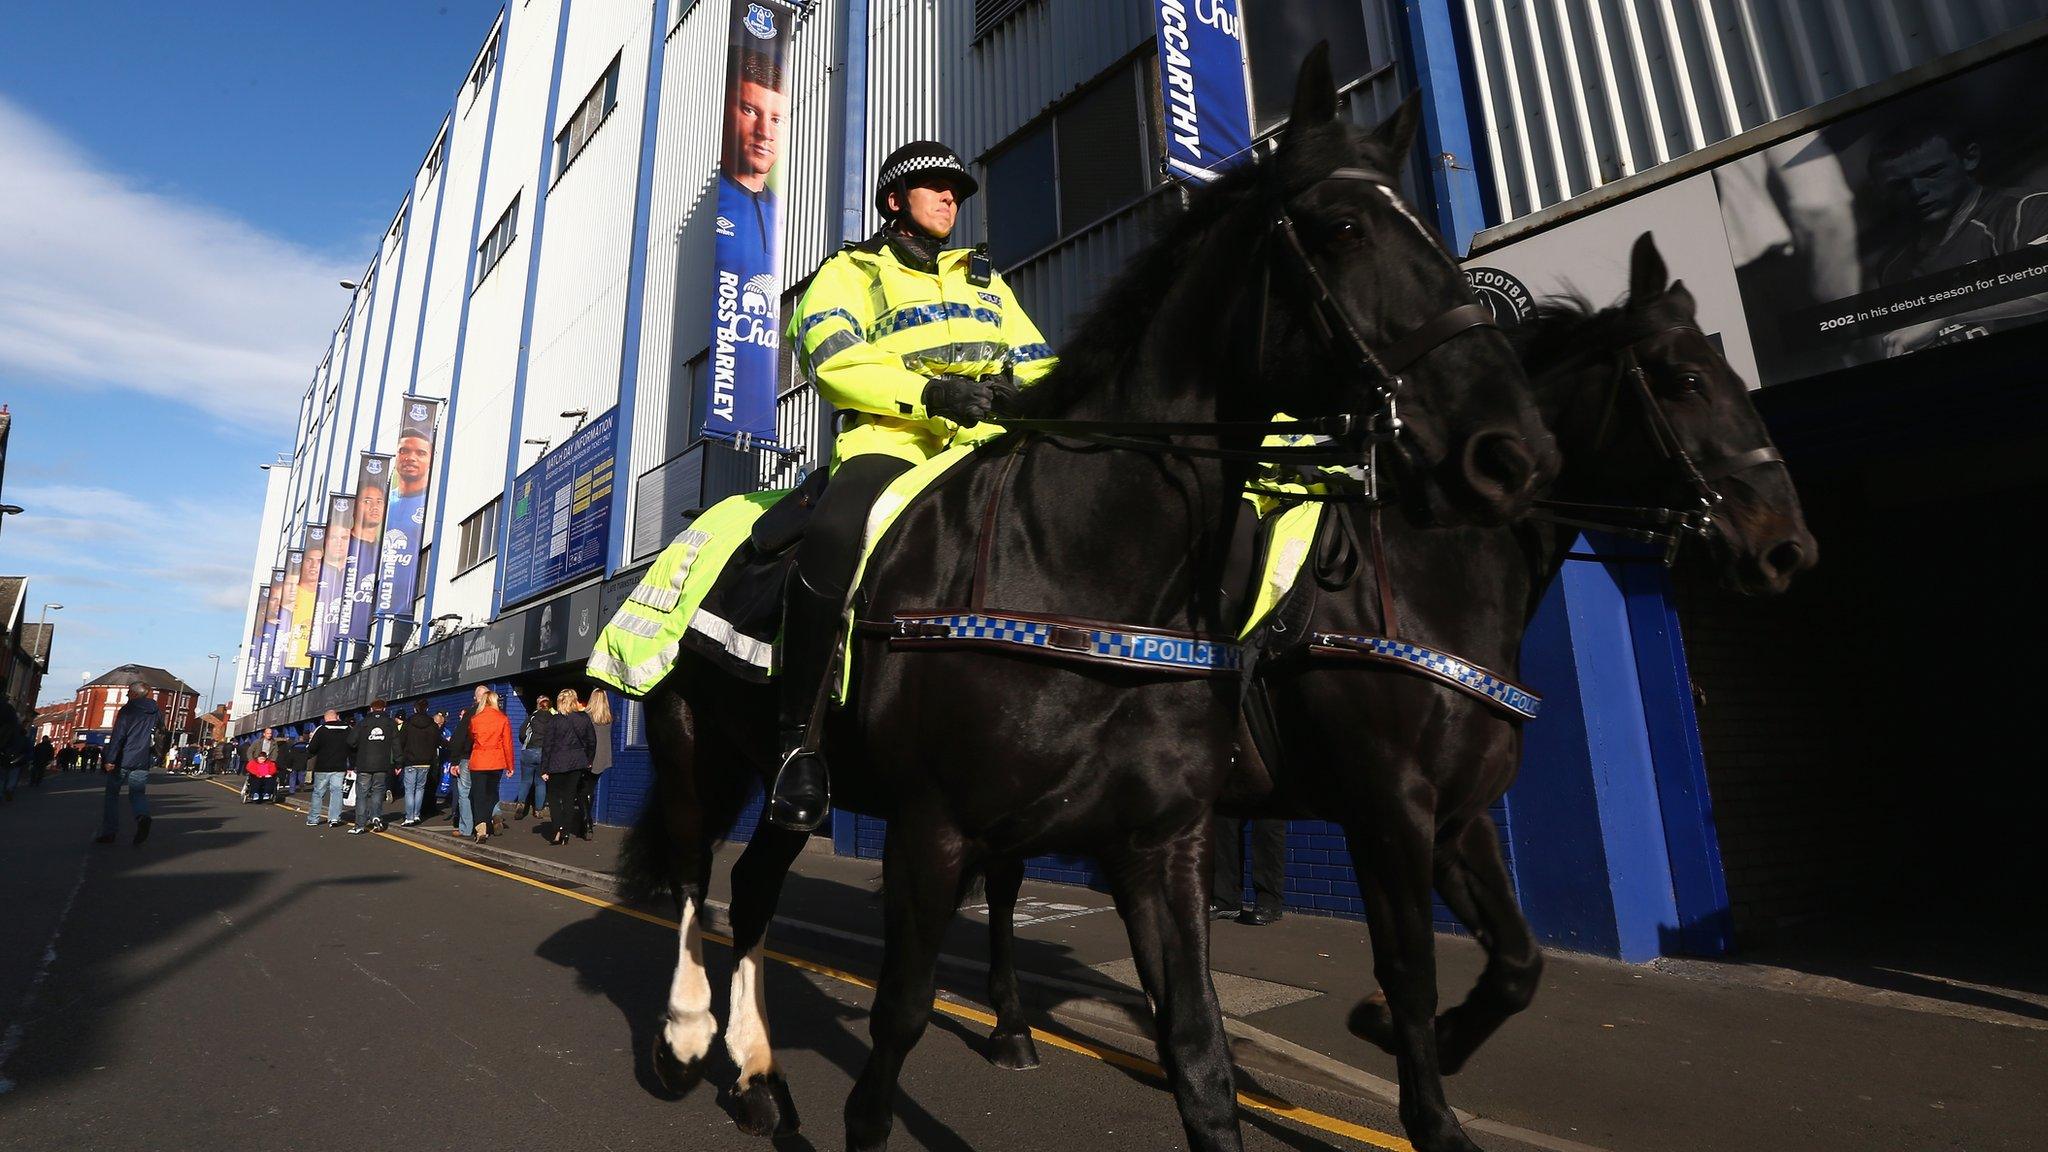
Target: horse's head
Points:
(1678, 429)
(1368, 314)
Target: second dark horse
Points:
(974, 757)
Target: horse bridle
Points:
(1645, 523)
(1340, 332)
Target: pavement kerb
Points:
(1117, 1021)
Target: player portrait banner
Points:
(405, 520)
(331, 590)
(1202, 86)
(746, 297)
(267, 669)
(252, 670)
(297, 649)
(288, 592)
(365, 544)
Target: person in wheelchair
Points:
(911, 340)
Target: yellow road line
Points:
(1257, 1102)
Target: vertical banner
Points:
(365, 544)
(288, 619)
(332, 587)
(252, 667)
(405, 524)
(267, 668)
(746, 289)
(1202, 86)
(297, 652)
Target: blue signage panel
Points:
(561, 513)
(1202, 85)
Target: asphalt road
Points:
(244, 982)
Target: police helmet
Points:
(921, 158)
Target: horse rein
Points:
(1339, 332)
(1647, 523)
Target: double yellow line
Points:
(1255, 1101)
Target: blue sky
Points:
(183, 185)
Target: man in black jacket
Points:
(375, 742)
(129, 756)
(329, 753)
(533, 792)
(419, 747)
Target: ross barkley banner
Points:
(747, 257)
(365, 543)
(330, 591)
(405, 521)
(1202, 86)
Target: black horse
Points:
(1302, 283)
(1409, 766)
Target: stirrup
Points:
(801, 813)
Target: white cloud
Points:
(105, 283)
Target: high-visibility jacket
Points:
(873, 331)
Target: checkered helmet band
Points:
(918, 158)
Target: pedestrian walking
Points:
(67, 760)
(419, 747)
(565, 765)
(438, 783)
(1269, 867)
(131, 749)
(533, 739)
(262, 781)
(460, 789)
(375, 743)
(39, 761)
(329, 754)
(490, 761)
(15, 748)
(292, 755)
(599, 709)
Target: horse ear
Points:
(1315, 92)
(1397, 132)
(1647, 276)
(1680, 298)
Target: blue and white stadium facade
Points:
(1703, 772)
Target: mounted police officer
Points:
(911, 340)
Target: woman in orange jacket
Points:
(490, 760)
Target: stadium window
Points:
(1278, 33)
(988, 14)
(478, 538)
(419, 596)
(499, 242)
(486, 62)
(1089, 160)
(434, 157)
(588, 117)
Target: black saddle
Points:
(782, 525)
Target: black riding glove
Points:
(960, 399)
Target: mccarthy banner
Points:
(331, 590)
(252, 677)
(266, 665)
(365, 544)
(405, 523)
(746, 299)
(297, 653)
(1202, 86)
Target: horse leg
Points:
(1010, 1045)
(1395, 865)
(681, 827)
(921, 874)
(765, 1105)
(1473, 879)
(1163, 895)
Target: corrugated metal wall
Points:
(1574, 94)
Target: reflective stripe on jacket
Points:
(872, 332)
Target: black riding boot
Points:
(801, 797)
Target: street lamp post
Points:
(7, 510)
(42, 625)
(214, 687)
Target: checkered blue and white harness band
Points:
(1457, 673)
(1094, 644)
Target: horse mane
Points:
(1098, 353)
(1569, 327)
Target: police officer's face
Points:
(933, 207)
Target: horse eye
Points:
(1344, 230)
(1690, 383)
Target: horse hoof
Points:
(1373, 1022)
(766, 1108)
(1012, 1050)
(676, 1074)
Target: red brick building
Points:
(58, 721)
(95, 704)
